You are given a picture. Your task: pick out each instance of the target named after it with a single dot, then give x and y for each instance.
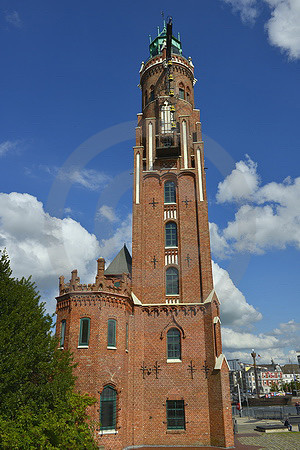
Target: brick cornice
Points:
(187, 309)
(91, 298)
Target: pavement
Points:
(249, 439)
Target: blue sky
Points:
(69, 100)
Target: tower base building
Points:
(146, 335)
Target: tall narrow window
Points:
(171, 234)
(181, 93)
(62, 333)
(172, 281)
(187, 94)
(151, 93)
(170, 192)
(175, 415)
(84, 334)
(166, 119)
(111, 333)
(108, 408)
(173, 344)
(127, 336)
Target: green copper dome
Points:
(156, 45)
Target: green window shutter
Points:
(62, 333)
(174, 344)
(108, 408)
(84, 334)
(175, 415)
(111, 333)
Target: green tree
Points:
(38, 405)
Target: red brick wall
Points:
(141, 406)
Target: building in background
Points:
(271, 377)
(146, 335)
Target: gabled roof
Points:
(122, 263)
(291, 368)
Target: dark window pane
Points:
(84, 331)
(173, 344)
(170, 192)
(108, 408)
(172, 281)
(171, 234)
(62, 333)
(127, 335)
(175, 414)
(111, 333)
(181, 93)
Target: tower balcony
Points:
(168, 145)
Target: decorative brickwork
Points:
(149, 368)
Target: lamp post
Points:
(253, 354)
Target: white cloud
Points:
(288, 328)
(107, 212)
(241, 184)
(283, 27)
(47, 247)
(247, 9)
(41, 245)
(237, 340)
(13, 18)
(238, 345)
(88, 178)
(269, 219)
(235, 311)
(278, 355)
(8, 146)
(123, 235)
(219, 245)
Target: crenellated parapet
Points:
(115, 284)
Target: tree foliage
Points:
(38, 405)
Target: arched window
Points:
(171, 235)
(111, 333)
(84, 333)
(108, 408)
(170, 192)
(173, 344)
(172, 281)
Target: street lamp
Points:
(253, 354)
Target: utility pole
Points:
(253, 354)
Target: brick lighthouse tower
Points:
(146, 335)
